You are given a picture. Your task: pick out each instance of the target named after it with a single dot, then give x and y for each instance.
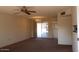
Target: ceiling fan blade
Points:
(32, 11)
(28, 13)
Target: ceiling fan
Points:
(26, 10)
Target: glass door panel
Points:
(42, 30)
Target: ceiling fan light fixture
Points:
(25, 10)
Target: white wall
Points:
(13, 29)
(55, 29)
(75, 22)
(64, 30)
(77, 11)
(74, 18)
(52, 23)
(76, 35)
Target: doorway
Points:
(42, 30)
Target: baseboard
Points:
(63, 45)
(44, 38)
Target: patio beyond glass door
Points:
(42, 30)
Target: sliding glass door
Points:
(42, 30)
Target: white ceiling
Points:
(41, 10)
